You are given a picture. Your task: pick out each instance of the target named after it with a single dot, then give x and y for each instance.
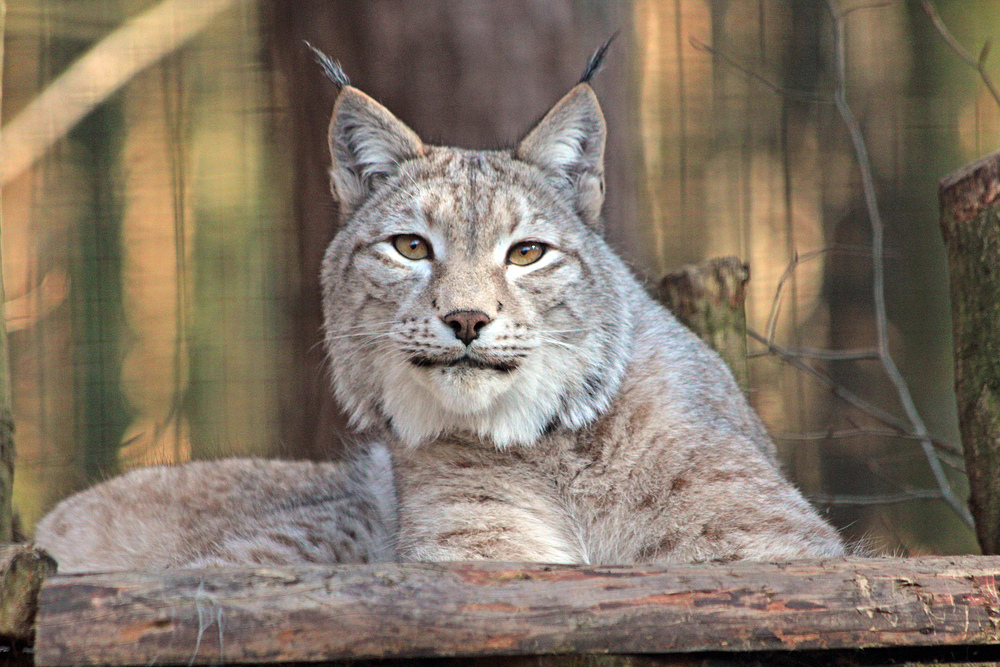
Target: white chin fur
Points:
(464, 391)
(510, 409)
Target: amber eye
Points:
(526, 252)
(411, 246)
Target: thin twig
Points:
(772, 317)
(878, 271)
(882, 499)
(848, 396)
(953, 461)
(845, 433)
(978, 64)
(786, 92)
(866, 5)
(826, 355)
(89, 81)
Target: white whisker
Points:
(560, 343)
(364, 334)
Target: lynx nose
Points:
(466, 324)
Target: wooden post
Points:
(6, 413)
(709, 300)
(970, 222)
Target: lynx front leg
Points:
(481, 512)
(477, 530)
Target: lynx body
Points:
(538, 405)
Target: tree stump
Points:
(709, 300)
(22, 571)
(970, 223)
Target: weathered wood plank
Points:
(468, 609)
(970, 224)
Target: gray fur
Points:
(226, 513)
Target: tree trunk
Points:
(495, 609)
(7, 450)
(970, 222)
(475, 75)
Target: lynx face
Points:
(470, 290)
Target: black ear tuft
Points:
(594, 64)
(331, 68)
(568, 143)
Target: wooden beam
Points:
(495, 609)
(970, 223)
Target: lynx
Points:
(535, 402)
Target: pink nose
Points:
(466, 323)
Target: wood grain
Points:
(483, 609)
(970, 225)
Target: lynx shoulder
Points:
(537, 404)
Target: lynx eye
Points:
(411, 246)
(526, 252)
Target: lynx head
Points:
(471, 290)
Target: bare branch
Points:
(848, 396)
(953, 461)
(772, 317)
(826, 355)
(978, 64)
(884, 499)
(845, 434)
(878, 270)
(866, 5)
(785, 92)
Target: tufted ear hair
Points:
(367, 144)
(569, 143)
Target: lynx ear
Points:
(367, 143)
(569, 142)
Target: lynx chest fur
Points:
(535, 403)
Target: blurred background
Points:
(161, 247)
